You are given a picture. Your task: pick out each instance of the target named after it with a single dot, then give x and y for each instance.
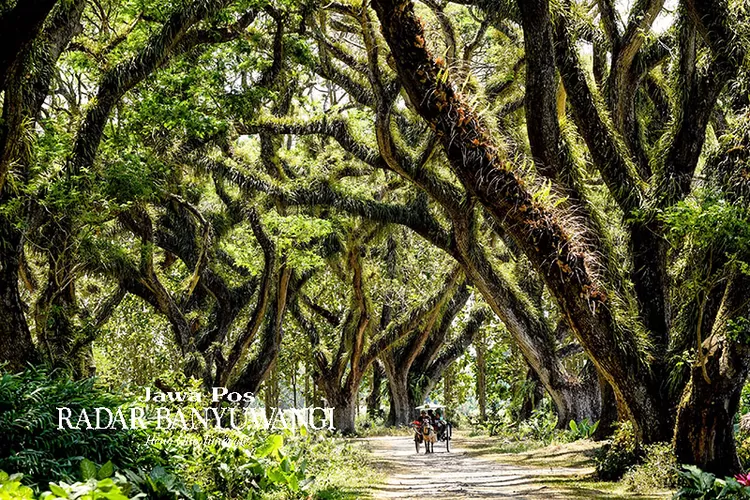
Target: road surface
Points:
(454, 475)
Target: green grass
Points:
(583, 488)
(347, 474)
(575, 455)
(532, 453)
(343, 470)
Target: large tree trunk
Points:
(608, 415)
(345, 408)
(402, 406)
(56, 309)
(19, 27)
(704, 433)
(473, 156)
(577, 402)
(375, 397)
(573, 399)
(16, 346)
(25, 77)
(481, 377)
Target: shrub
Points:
(32, 444)
(12, 489)
(238, 472)
(92, 489)
(542, 426)
(582, 430)
(700, 485)
(162, 485)
(159, 465)
(493, 425)
(743, 448)
(228, 464)
(615, 458)
(658, 470)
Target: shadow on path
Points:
(457, 475)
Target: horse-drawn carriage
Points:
(431, 427)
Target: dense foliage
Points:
(32, 443)
(155, 463)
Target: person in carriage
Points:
(437, 421)
(440, 424)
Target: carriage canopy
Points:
(430, 406)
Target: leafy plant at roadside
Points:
(239, 472)
(614, 459)
(658, 470)
(12, 489)
(700, 485)
(162, 485)
(542, 426)
(583, 429)
(92, 488)
(89, 470)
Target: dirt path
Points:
(455, 475)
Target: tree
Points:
(415, 365)
(358, 337)
(25, 80)
(51, 210)
(374, 399)
(589, 303)
(370, 89)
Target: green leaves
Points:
(271, 446)
(583, 429)
(88, 469)
(33, 444)
(106, 471)
(161, 484)
(294, 235)
(90, 489)
(12, 489)
(700, 485)
(710, 220)
(58, 490)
